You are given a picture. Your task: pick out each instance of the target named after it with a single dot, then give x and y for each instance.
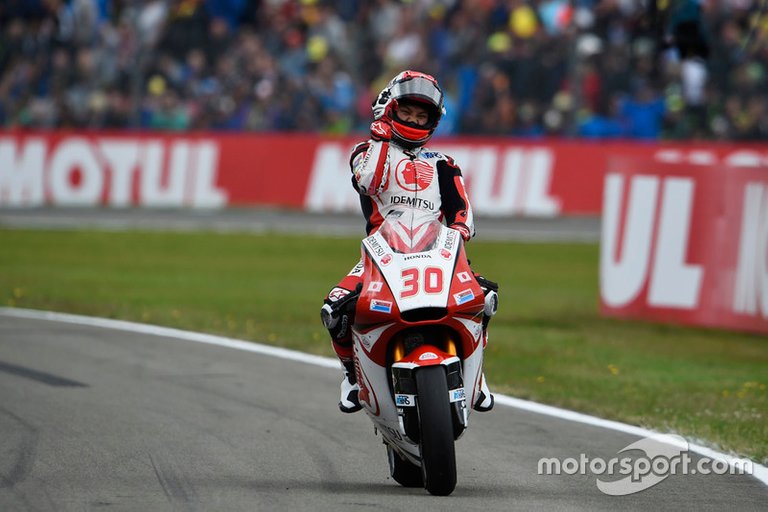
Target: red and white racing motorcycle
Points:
(418, 345)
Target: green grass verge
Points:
(547, 343)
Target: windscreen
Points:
(409, 231)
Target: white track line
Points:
(760, 471)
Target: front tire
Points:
(438, 454)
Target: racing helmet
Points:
(419, 88)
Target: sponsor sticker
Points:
(386, 259)
(464, 277)
(414, 175)
(375, 286)
(450, 239)
(337, 293)
(427, 356)
(375, 246)
(382, 306)
(457, 394)
(358, 269)
(415, 202)
(405, 400)
(465, 296)
(445, 253)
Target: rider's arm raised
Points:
(369, 161)
(453, 195)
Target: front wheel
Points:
(438, 454)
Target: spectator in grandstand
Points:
(605, 122)
(510, 64)
(643, 112)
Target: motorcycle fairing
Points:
(425, 276)
(416, 282)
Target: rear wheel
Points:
(403, 471)
(438, 455)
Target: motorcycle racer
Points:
(393, 169)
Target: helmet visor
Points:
(420, 88)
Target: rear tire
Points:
(403, 471)
(438, 454)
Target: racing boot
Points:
(349, 402)
(485, 401)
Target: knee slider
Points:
(326, 315)
(491, 303)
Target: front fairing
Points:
(417, 257)
(416, 273)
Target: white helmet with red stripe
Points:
(416, 87)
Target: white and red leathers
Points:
(388, 176)
(393, 170)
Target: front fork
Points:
(404, 386)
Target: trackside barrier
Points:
(685, 243)
(685, 226)
(504, 177)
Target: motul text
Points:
(686, 244)
(116, 172)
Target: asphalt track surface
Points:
(93, 418)
(563, 229)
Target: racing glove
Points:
(383, 104)
(381, 130)
(462, 229)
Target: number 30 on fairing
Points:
(432, 281)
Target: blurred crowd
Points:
(643, 69)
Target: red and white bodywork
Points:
(420, 305)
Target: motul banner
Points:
(512, 177)
(503, 176)
(154, 171)
(685, 243)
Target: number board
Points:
(417, 280)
